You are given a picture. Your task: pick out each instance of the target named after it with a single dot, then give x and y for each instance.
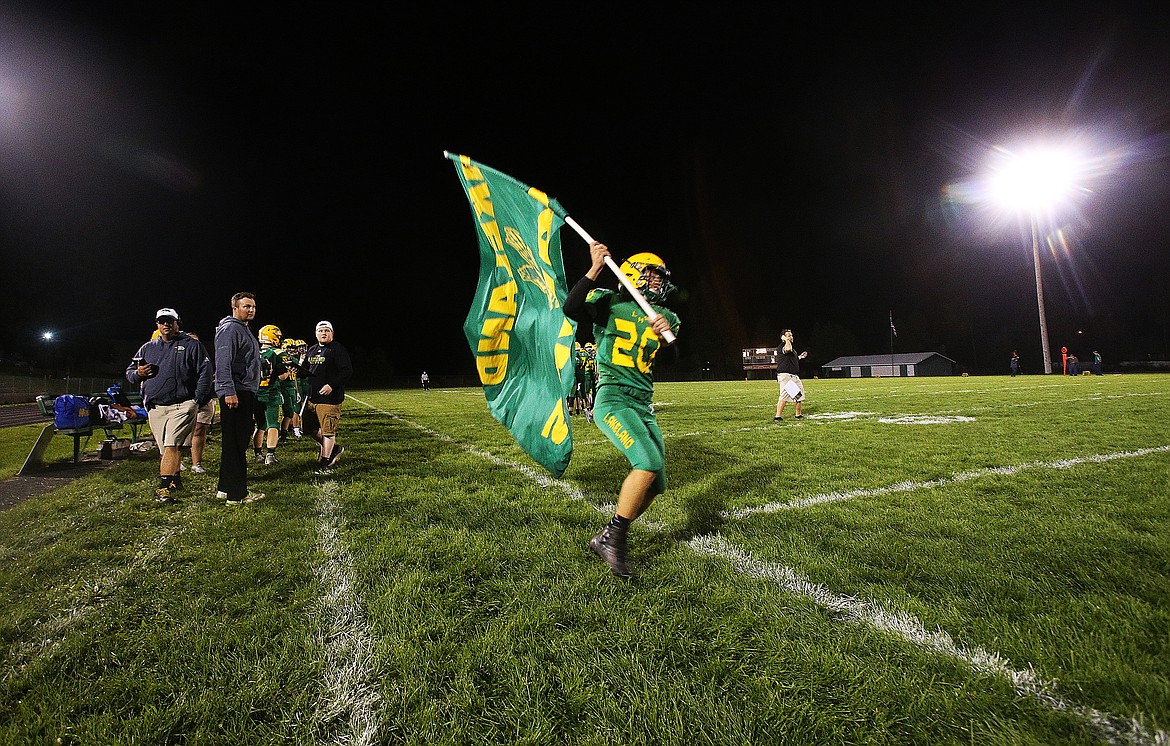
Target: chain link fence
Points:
(16, 389)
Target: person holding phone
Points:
(788, 376)
(175, 373)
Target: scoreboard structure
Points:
(760, 358)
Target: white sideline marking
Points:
(540, 477)
(1110, 728)
(924, 419)
(544, 480)
(47, 634)
(348, 705)
(964, 476)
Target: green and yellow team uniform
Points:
(288, 388)
(626, 346)
(591, 373)
(268, 398)
(581, 374)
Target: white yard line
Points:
(348, 707)
(538, 476)
(1110, 728)
(964, 476)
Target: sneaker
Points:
(270, 459)
(296, 432)
(777, 419)
(335, 456)
(258, 457)
(220, 495)
(251, 498)
(612, 550)
(800, 416)
(163, 495)
(182, 467)
(198, 469)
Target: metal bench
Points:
(35, 460)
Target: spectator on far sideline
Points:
(175, 374)
(426, 381)
(328, 368)
(237, 379)
(788, 376)
(1097, 370)
(1015, 363)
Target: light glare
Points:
(1034, 180)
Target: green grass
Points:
(16, 442)
(931, 561)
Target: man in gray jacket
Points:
(176, 380)
(237, 379)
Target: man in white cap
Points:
(327, 368)
(175, 374)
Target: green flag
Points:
(522, 342)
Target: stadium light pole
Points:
(1035, 181)
(1044, 348)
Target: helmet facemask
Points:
(641, 268)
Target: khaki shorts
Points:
(206, 414)
(323, 416)
(783, 379)
(172, 423)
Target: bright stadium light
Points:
(47, 336)
(1036, 181)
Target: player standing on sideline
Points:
(302, 389)
(273, 374)
(577, 400)
(627, 343)
(591, 378)
(327, 367)
(288, 389)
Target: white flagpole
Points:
(629, 286)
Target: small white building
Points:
(903, 364)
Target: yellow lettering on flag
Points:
(555, 427)
(495, 335)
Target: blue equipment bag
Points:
(70, 412)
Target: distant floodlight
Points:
(1035, 179)
(47, 336)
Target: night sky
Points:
(794, 168)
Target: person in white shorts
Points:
(788, 376)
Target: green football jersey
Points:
(626, 343)
(271, 366)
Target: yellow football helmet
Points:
(270, 335)
(639, 267)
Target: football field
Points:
(918, 561)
